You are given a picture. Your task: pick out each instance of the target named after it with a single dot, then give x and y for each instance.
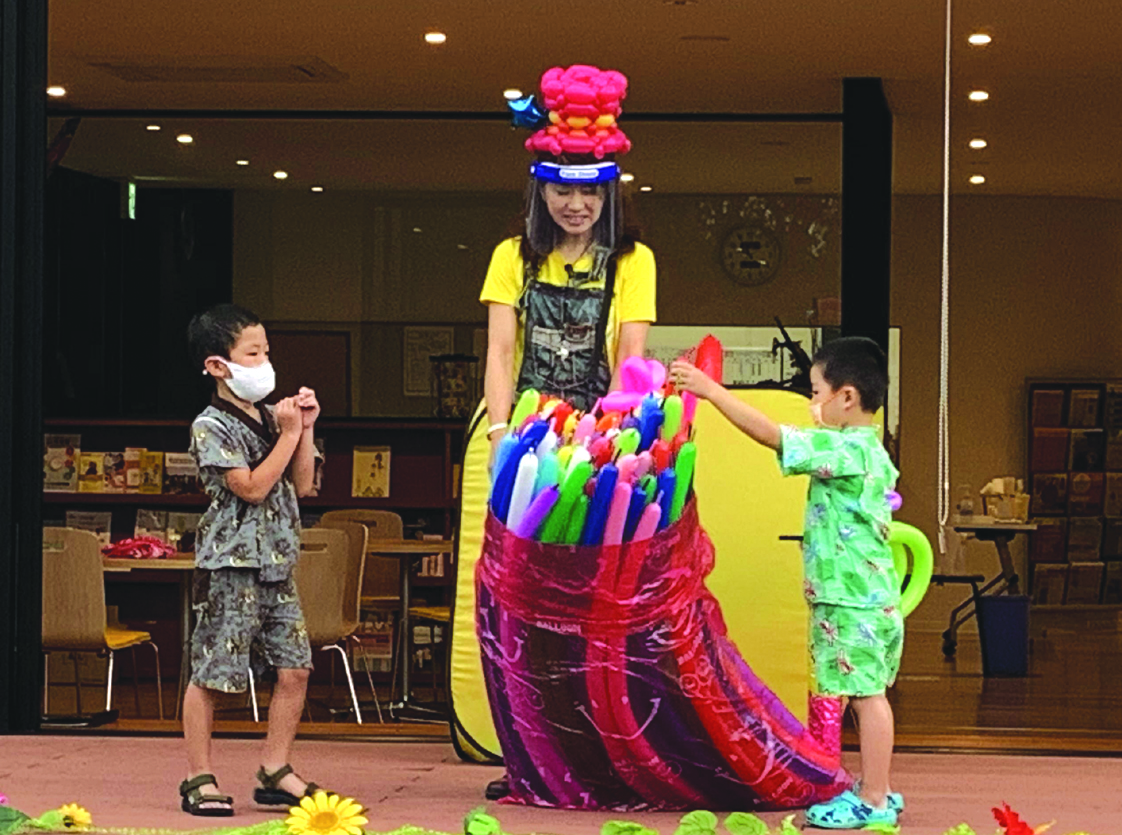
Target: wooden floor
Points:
(1070, 702)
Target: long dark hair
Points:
(615, 230)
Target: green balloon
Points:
(628, 441)
(683, 475)
(576, 520)
(556, 524)
(527, 405)
(904, 540)
(672, 422)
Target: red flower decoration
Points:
(1011, 822)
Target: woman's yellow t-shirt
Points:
(632, 301)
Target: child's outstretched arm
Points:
(752, 422)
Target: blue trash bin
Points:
(1003, 626)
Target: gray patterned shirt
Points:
(234, 533)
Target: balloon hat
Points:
(582, 105)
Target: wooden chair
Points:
(74, 614)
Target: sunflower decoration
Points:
(326, 814)
(75, 817)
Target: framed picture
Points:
(420, 344)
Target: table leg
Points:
(406, 660)
(1007, 568)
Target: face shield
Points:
(542, 233)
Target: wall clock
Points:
(751, 256)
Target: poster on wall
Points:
(420, 344)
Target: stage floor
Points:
(131, 781)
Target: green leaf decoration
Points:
(625, 828)
(743, 823)
(10, 819)
(700, 822)
(787, 826)
(961, 829)
(478, 822)
(884, 828)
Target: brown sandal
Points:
(193, 798)
(269, 793)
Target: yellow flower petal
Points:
(349, 807)
(308, 804)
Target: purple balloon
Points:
(895, 502)
(537, 511)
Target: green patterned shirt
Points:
(846, 557)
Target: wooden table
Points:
(1005, 582)
(185, 565)
(407, 550)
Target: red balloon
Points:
(710, 358)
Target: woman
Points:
(574, 295)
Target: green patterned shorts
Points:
(855, 652)
(239, 621)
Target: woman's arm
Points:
(498, 375)
(632, 343)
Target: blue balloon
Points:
(526, 113)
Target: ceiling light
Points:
(512, 93)
(979, 39)
(979, 95)
(243, 162)
(56, 92)
(977, 180)
(462, 247)
(184, 139)
(152, 128)
(417, 229)
(626, 178)
(435, 38)
(317, 189)
(644, 188)
(978, 144)
(281, 175)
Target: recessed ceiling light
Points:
(512, 93)
(243, 162)
(977, 180)
(152, 128)
(56, 92)
(977, 144)
(462, 247)
(281, 175)
(979, 95)
(644, 188)
(626, 178)
(317, 189)
(417, 229)
(979, 39)
(435, 38)
(184, 139)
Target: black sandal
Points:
(193, 798)
(269, 793)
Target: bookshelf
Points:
(1075, 480)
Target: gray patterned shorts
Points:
(242, 621)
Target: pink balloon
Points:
(617, 515)
(585, 427)
(627, 464)
(621, 401)
(689, 406)
(658, 374)
(635, 375)
(648, 522)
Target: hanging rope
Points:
(944, 486)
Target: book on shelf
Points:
(61, 454)
(151, 472)
(1112, 583)
(1112, 539)
(132, 468)
(370, 473)
(1085, 494)
(181, 530)
(1112, 423)
(1112, 495)
(1049, 494)
(181, 474)
(1084, 583)
(1050, 450)
(91, 472)
(1086, 450)
(1049, 584)
(1083, 408)
(97, 522)
(1084, 539)
(114, 469)
(1048, 543)
(1048, 407)
(151, 523)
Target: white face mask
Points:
(250, 384)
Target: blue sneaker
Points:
(895, 800)
(848, 811)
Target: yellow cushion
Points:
(443, 614)
(381, 602)
(118, 639)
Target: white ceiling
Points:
(1053, 121)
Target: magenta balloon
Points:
(689, 407)
(658, 374)
(621, 401)
(635, 375)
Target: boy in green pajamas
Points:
(856, 629)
